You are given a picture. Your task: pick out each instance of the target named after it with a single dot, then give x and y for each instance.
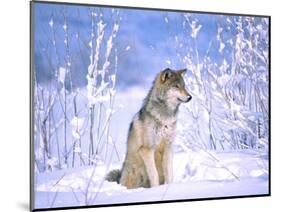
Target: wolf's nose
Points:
(189, 98)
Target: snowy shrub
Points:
(230, 105)
(72, 126)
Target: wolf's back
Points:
(114, 176)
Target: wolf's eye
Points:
(177, 86)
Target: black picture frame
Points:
(32, 59)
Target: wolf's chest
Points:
(164, 130)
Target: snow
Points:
(223, 68)
(176, 191)
(222, 45)
(203, 181)
(101, 88)
(98, 99)
(256, 173)
(77, 123)
(51, 23)
(110, 140)
(100, 34)
(127, 48)
(109, 112)
(198, 173)
(90, 44)
(116, 27)
(62, 74)
(64, 26)
(99, 162)
(77, 150)
(220, 29)
(52, 162)
(76, 134)
(195, 29)
(113, 78)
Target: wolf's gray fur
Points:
(148, 160)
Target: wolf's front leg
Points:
(168, 164)
(147, 155)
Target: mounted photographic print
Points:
(139, 106)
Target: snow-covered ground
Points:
(205, 178)
(198, 173)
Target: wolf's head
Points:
(172, 87)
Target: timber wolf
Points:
(148, 160)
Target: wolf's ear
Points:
(166, 74)
(182, 71)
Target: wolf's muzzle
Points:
(189, 98)
(186, 99)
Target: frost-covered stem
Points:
(39, 111)
(223, 166)
(51, 23)
(67, 49)
(99, 122)
(94, 56)
(56, 194)
(102, 133)
(88, 186)
(75, 115)
(57, 141)
(91, 86)
(92, 74)
(211, 139)
(261, 103)
(43, 131)
(109, 46)
(65, 125)
(105, 70)
(198, 69)
(77, 131)
(112, 100)
(47, 112)
(49, 128)
(66, 43)
(45, 142)
(103, 180)
(80, 143)
(54, 199)
(91, 145)
(73, 155)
